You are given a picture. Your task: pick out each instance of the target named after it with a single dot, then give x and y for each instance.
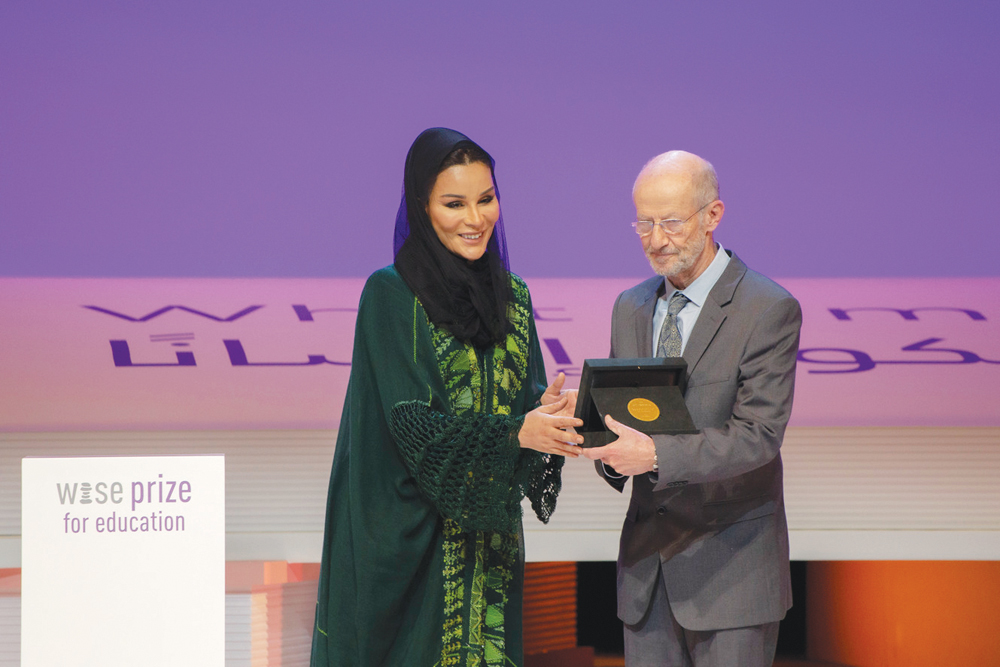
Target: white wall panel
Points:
(877, 492)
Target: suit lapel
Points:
(713, 313)
(644, 321)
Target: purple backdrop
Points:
(267, 139)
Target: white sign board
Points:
(123, 561)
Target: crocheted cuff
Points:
(465, 465)
(539, 477)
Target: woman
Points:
(440, 437)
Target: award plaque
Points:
(646, 394)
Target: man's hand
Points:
(633, 453)
(554, 392)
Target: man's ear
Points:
(714, 216)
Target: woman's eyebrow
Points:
(489, 189)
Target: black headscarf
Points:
(469, 299)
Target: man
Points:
(703, 573)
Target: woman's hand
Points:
(554, 392)
(542, 430)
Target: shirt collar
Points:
(698, 290)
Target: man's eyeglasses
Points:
(671, 226)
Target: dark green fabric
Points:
(419, 453)
(439, 448)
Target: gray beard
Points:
(684, 260)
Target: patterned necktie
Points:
(670, 335)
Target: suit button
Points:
(661, 510)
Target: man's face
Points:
(683, 256)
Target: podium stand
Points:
(123, 561)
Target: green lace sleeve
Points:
(539, 475)
(472, 467)
(540, 478)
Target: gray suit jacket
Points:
(713, 518)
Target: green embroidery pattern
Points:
(479, 565)
(507, 376)
(460, 370)
(454, 593)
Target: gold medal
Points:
(643, 409)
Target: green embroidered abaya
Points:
(423, 560)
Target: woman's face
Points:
(463, 208)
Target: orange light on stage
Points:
(904, 613)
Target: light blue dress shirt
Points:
(696, 293)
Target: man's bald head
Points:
(703, 181)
